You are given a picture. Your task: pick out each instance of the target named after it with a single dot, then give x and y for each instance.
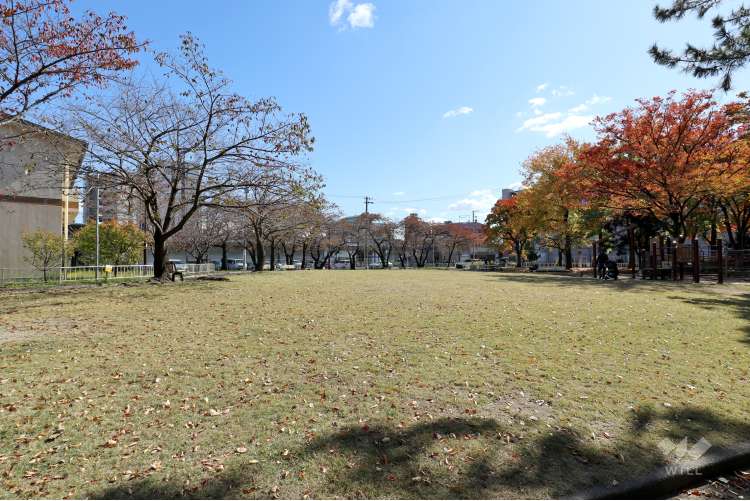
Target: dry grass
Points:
(364, 384)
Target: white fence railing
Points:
(114, 272)
(69, 274)
(196, 268)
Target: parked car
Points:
(235, 264)
(467, 263)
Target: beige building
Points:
(115, 203)
(38, 167)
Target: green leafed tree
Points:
(729, 52)
(119, 244)
(45, 249)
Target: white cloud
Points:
(399, 193)
(336, 11)
(478, 200)
(578, 109)
(554, 123)
(541, 87)
(463, 110)
(598, 100)
(540, 120)
(562, 91)
(536, 102)
(361, 15)
(569, 123)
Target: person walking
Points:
(601, 263)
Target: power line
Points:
(443, 197)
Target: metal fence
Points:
(195, 269)
(81, 274)
(116, 272)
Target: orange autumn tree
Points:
(658, 158)
(454, 237)
(508, 225)
(732, 190)
(557, 200)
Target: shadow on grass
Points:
(385, 461)
(737, 305)
(724, 303)
(625, 283)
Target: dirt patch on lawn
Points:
(35, 330)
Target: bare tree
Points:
(326, 239)
(276, 211)
(200, 233)
(353, 236)
(188, 143)
(419, 237)
(381, 233)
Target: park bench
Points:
(174, 272)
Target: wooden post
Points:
(674, 262)
(661, 247)
(653, 260)
(696, 262)
(720, 258)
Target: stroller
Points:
(611, 272)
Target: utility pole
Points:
(368, 201)
(65, 215)
(473, 243)
(97, 230)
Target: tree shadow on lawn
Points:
(737, 305)
(385, 461)
(733, 303)
(625, 283)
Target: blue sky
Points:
(429, 106)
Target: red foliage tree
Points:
(658, 158)
(46, 53)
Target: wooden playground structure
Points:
(666, 259)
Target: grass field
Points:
(364, 384)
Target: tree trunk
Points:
(568, 253)
(160, 256)
(223, 255)
(559, 257)
(260, 257)
(288, 253)
(272, 254)
(303, 265)
(450, 254)
(518, 255)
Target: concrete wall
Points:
(17, 218)
(32, 165)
